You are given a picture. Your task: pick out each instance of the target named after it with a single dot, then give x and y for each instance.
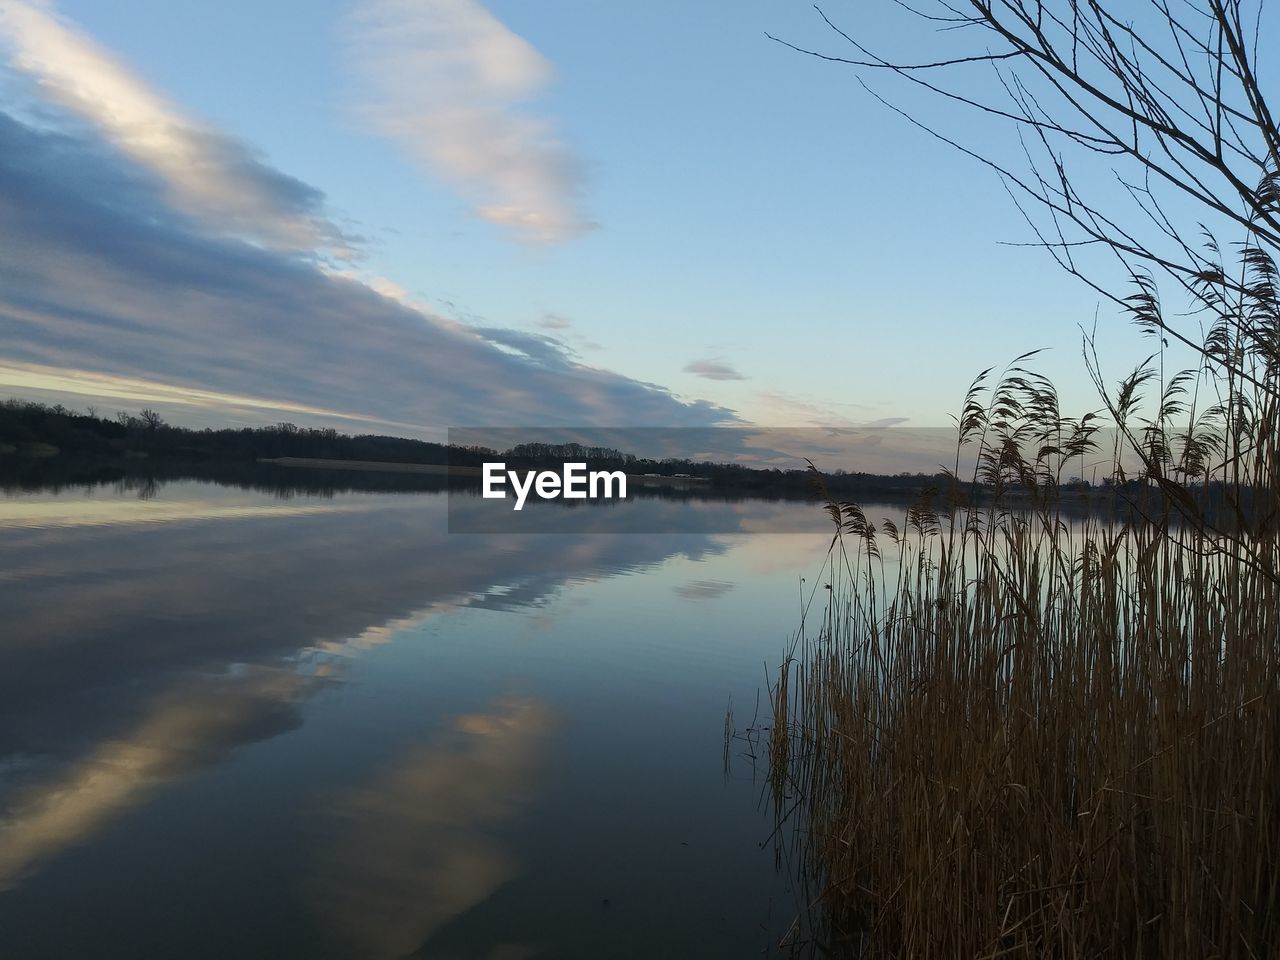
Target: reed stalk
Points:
(1017, 734)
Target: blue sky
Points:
(401, 215)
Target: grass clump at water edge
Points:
(1010, 733)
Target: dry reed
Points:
(1018, 735)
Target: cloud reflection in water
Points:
(419, 845)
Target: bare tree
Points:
(1165, 98)
(1174, 95)
(151, 419)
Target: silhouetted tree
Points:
(1170, 92)
(1166, 99)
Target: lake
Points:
(243, 724)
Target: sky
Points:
(397, 216)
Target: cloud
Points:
(447, 80)
(562, 328)
(887, 422)
(539, 349)
(109, 280)
(38, 379)
(713, 370)
(206, 175)
(777, 408)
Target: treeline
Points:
(33, 428)
(32, 432)
(737, 478)
(751, 481)
(145, 477)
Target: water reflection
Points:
(417, 846)
(703, 589)
(149, 646)
(183, 730)
(93, 612)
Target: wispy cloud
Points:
(32, 378)
(713, 370)
(562, 328)
(208, 176)
(448, 80)
(777, 408)
(887, 422)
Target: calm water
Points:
(237, 726)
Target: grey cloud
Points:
(270, 203)
(538, 348)
(886, 422)
(107, 277)
(713, 370)
(206, 174)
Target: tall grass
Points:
(1005, 733)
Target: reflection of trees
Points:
(141, 487)
(59, 474)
